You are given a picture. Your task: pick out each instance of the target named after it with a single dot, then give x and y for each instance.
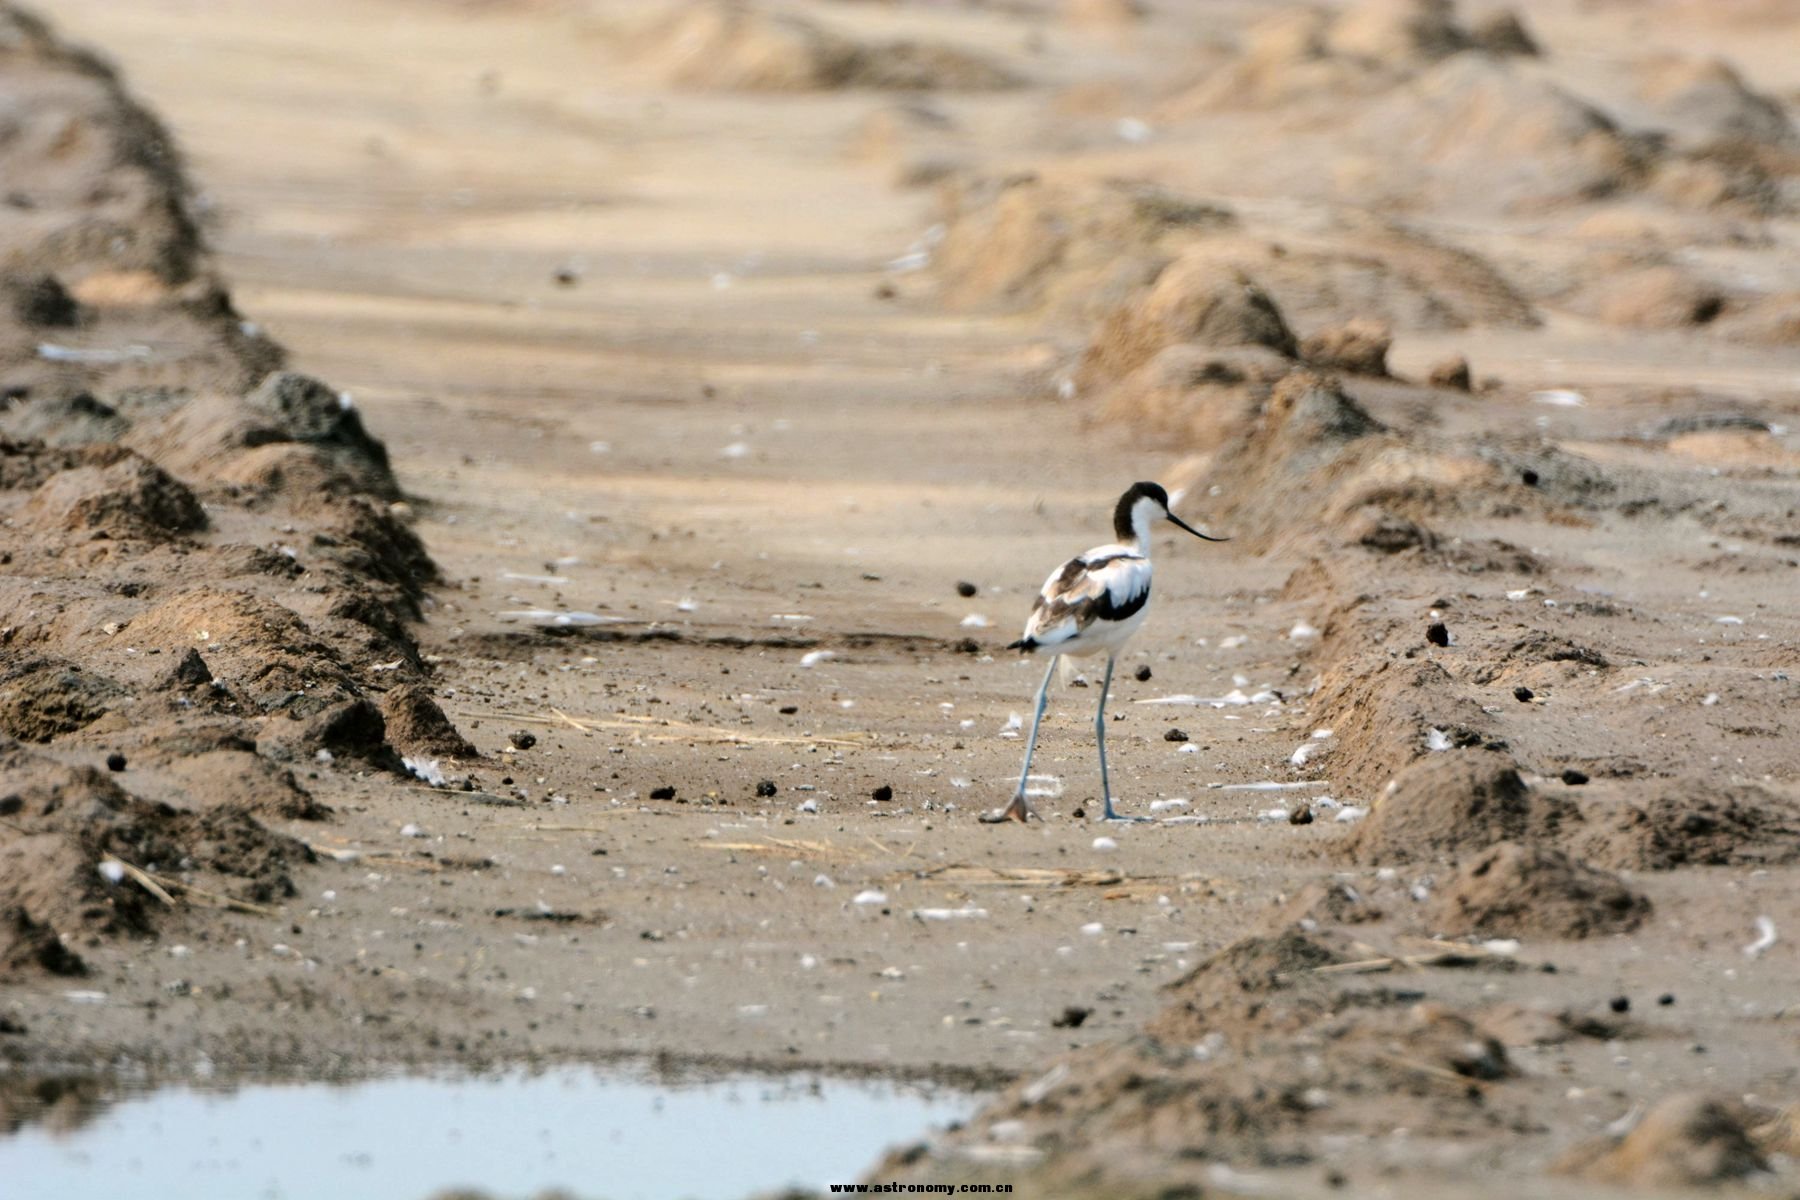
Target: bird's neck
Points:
(1132, 527)
(1139, 539)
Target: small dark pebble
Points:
(884, 792)
(1072, 1017)
(662, 793)
(1523, 694)
(522, 740)
(1528, 477)
(1666, 999)
(566, 277)
(1143, 674)
(1336, 1179)
(1175, 735)
(766, 788)
(1574, 778)
(9, 1025)
(968, 646)
(1301, 816)
(885, 291)
(1437, 633)
(965, 588)
(115, 761)
(1079, 813)
(788, 710)
(1619, 1004)
(506, 780)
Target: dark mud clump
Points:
(1514, 889)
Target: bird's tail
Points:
(1024, 645)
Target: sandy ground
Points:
(767, 458)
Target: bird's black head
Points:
(1122, 522)
(1125, 515)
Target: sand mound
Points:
(417, 727)
(1373, 270)
(1198, 395)
(131, 498)
(727, 46)
(109, 459)
(259, 786)
(1694, 822)
(1306, 56)
(1686, 1140)
(1385, 711)
(1398, 32)
(1192, 300)
(291, 435)
(1513, 890)
(66, 420)
(1095, 251)
(1454, 804)
(1359, 347)
(1704, 100)
(43, 698)
(1320, 904)
(107, 168)
(256, 647)
(1258, 982)
(72, 820)
(1650, 297)
(1495, 138)
(1314, 444)
(1025, 242)
(1258, 1058)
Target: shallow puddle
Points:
(593, 1134)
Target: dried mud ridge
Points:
(206, 572)
(1264, 351)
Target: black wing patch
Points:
(1106, 610)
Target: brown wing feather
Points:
(1079, 592)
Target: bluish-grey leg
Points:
(1020, 808)
(1100, 740)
